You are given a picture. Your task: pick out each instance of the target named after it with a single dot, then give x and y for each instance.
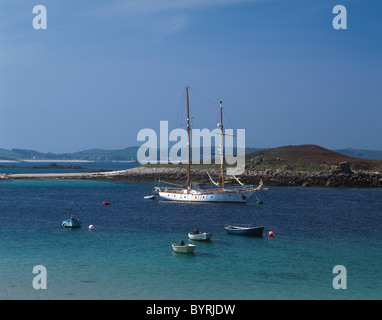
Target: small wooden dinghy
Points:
(186, 248)
(199, 236)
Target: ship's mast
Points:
(221, 143)
(188, 142)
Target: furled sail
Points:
(215, 183)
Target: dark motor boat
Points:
(245, 230)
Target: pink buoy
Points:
(271, 234)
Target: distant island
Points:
(303, 165)
(127, 154)
(312, 165)
(52, 165)
(93, 155)
(130, 154)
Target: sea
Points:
(327, 243)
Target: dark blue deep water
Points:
(128, 255)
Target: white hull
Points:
(200, 236)
(239, 197)
(188, 248)
(188, 194)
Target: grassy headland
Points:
(303, 165)
(307, 158)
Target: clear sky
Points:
(103, 70)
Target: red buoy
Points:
(271, 234)
(105, 203)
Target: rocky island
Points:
(304, 165)
(52, 165)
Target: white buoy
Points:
(91, 227)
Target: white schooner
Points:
(188, 193)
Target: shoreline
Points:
(44, 161)
(270, 177)
(63, 160)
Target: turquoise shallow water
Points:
(129, 255)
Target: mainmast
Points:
(188, 142)
(221, 143)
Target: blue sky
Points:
(103, 70)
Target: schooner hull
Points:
(236, 197)
(189, 194)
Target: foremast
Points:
(188, 184)
(221, 143)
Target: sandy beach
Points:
(75, 175)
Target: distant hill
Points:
(297, 158)
(307, 158)
(91, 155)
(361, 153)
(8, 154)
(129, 153)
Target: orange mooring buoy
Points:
(271, 234)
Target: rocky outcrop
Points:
(341, 176)
(336, 178)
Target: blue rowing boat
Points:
(245, 231)
(71, 222)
